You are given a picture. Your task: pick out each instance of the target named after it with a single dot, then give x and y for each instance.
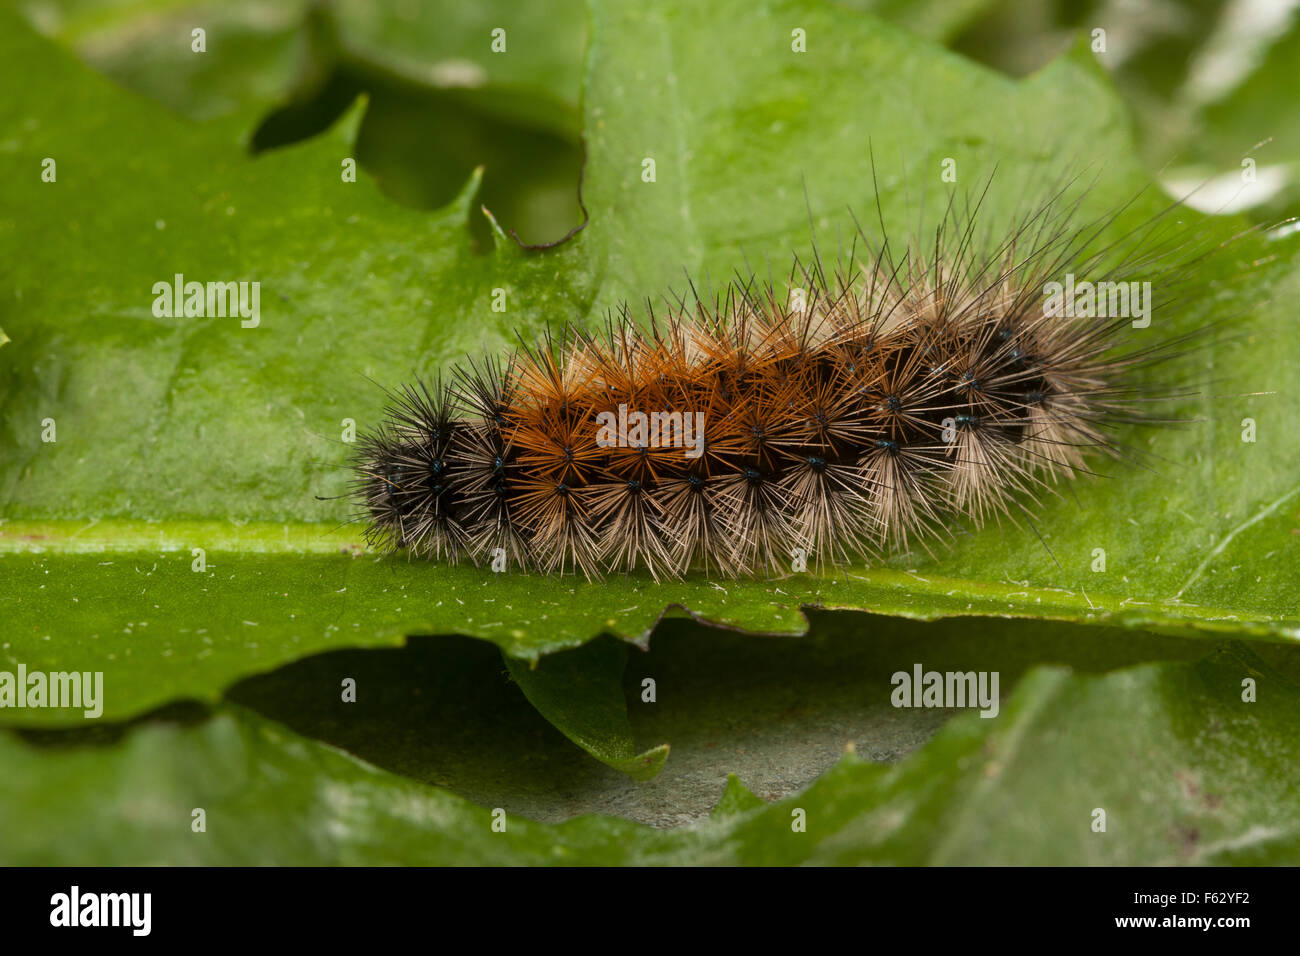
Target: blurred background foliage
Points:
(1201, 79)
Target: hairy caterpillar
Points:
(880, 399)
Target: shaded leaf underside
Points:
(1217, 779)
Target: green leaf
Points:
(253, 55)
(581, 693)
(255, 50)
(491, 85)
(736, 800)
(177, 434)
(939, 20)
(442, 102)
(1206, 87)
(436, 45)
(1212, 785)
(443, 710)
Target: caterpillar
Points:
(854, 412)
